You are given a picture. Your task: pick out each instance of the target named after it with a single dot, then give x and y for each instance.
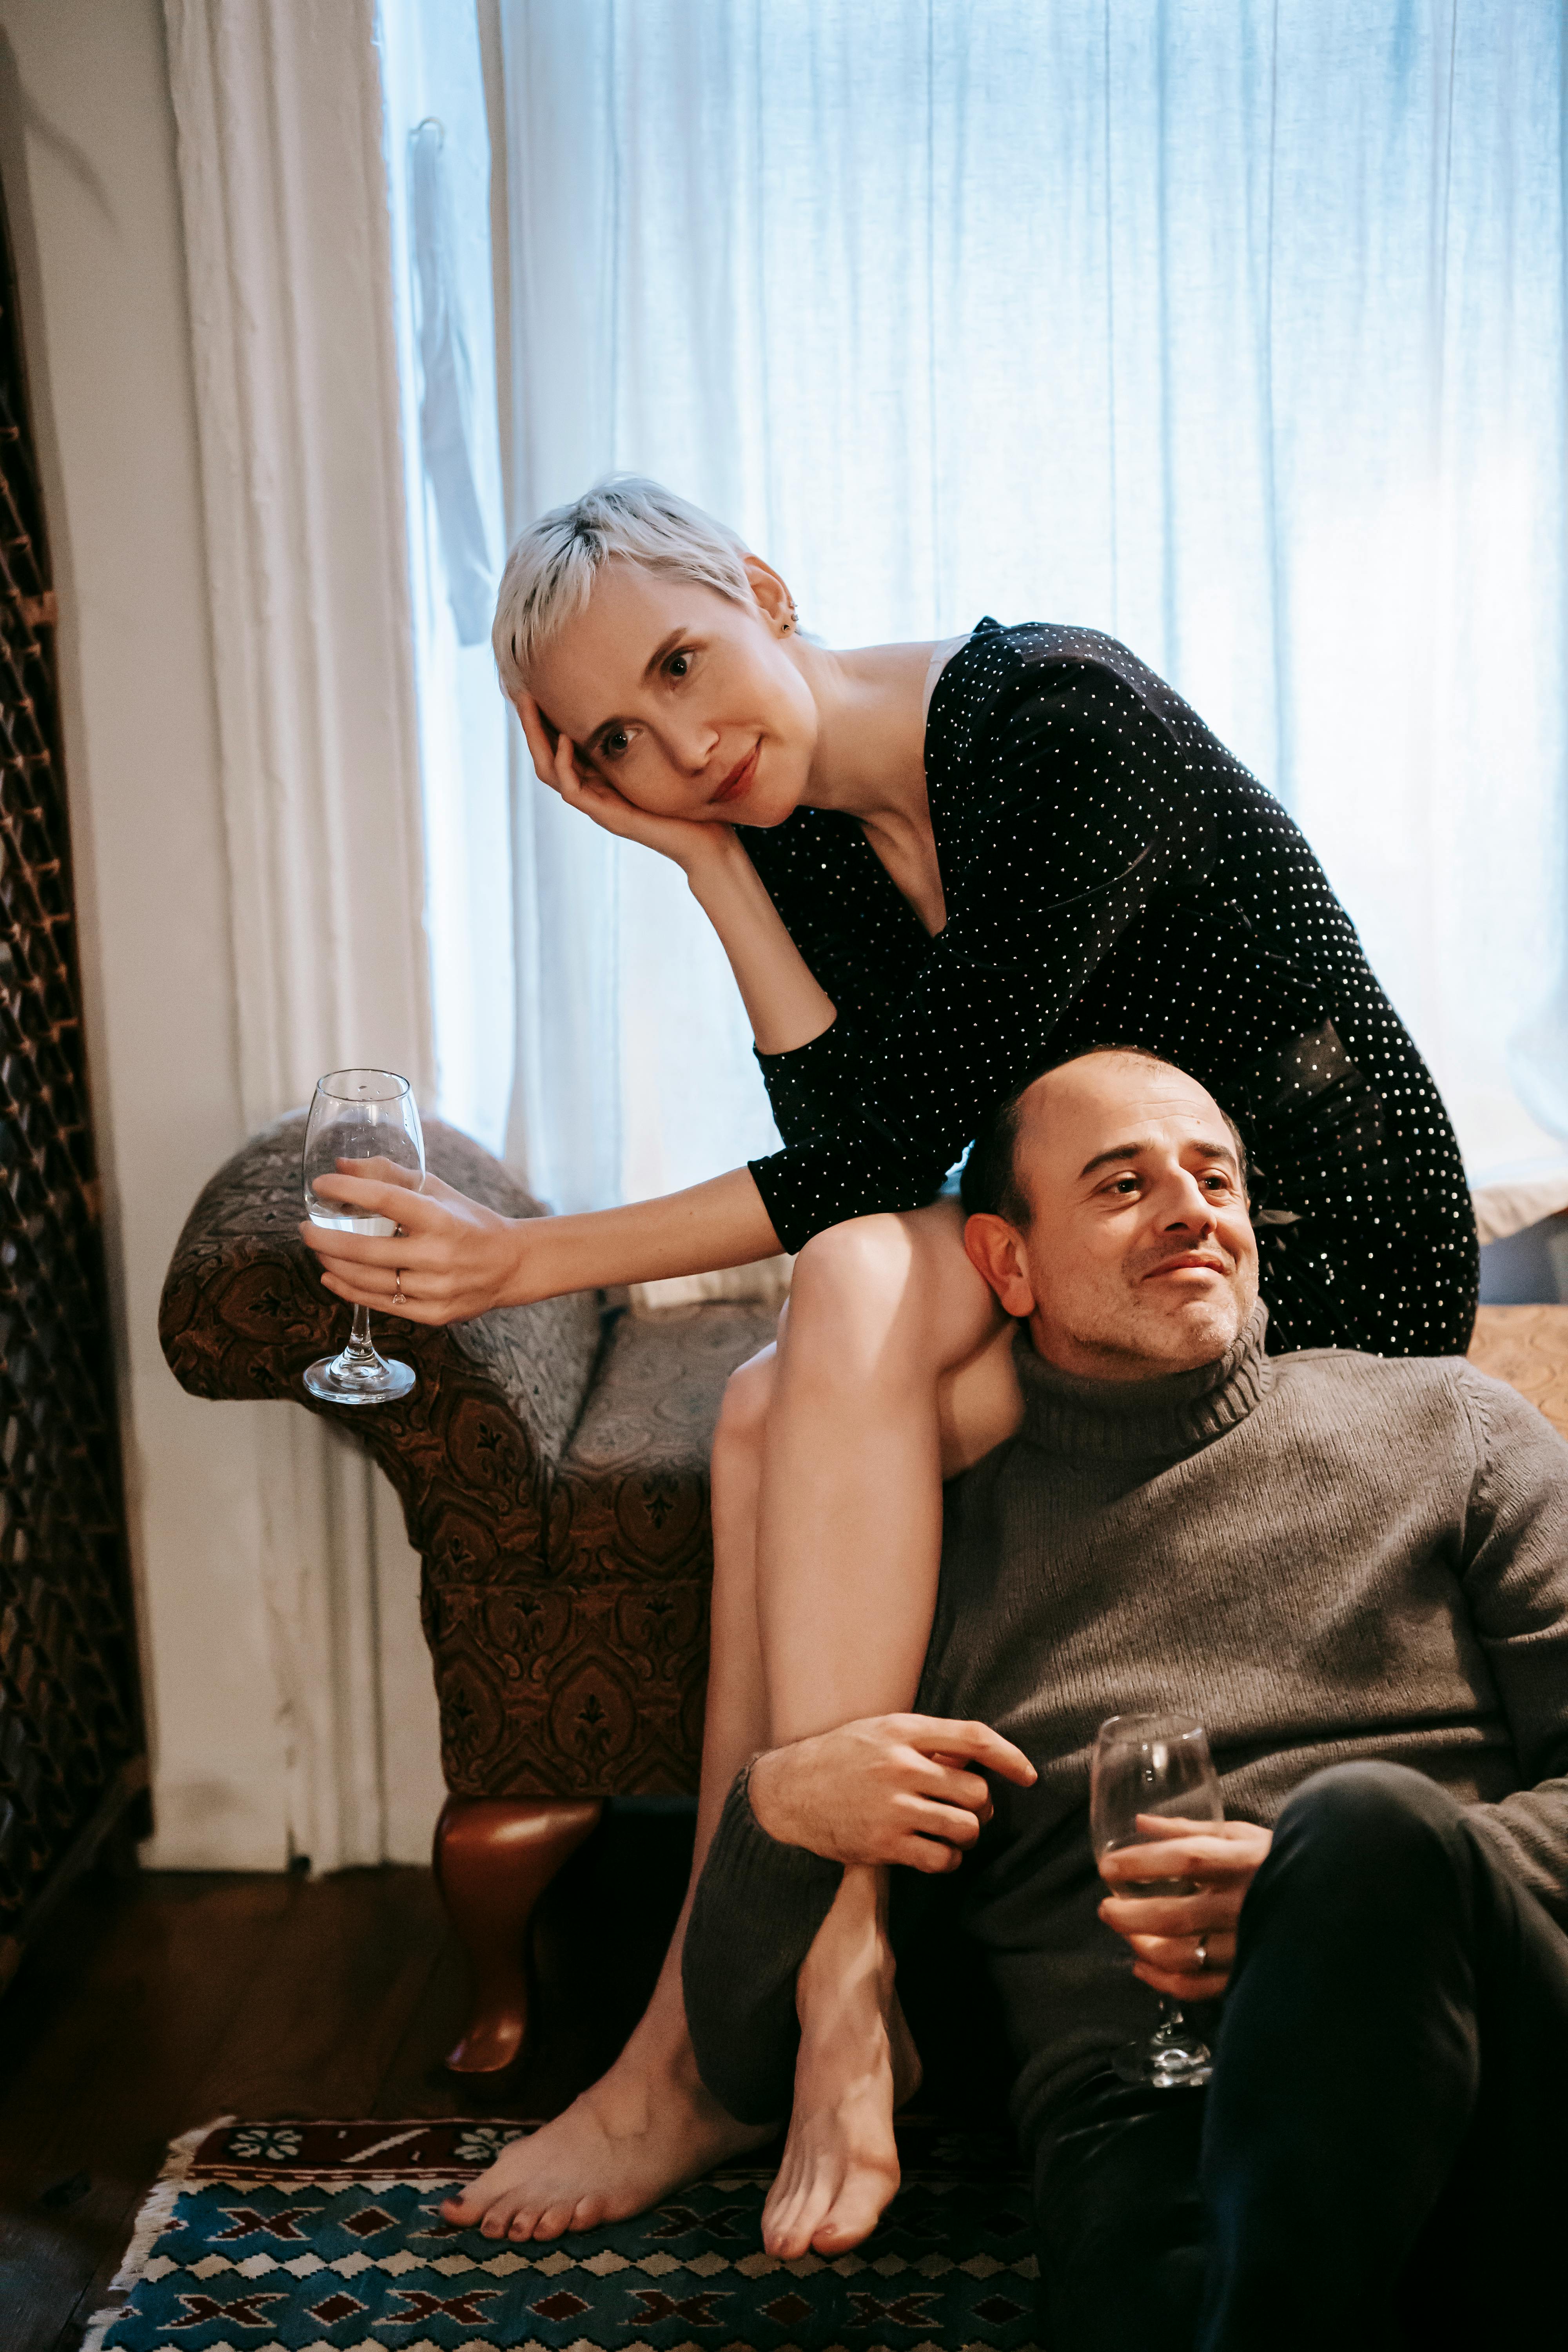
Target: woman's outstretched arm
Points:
(456, 1259)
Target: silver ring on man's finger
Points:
(1204, 1949)
(397, 1297)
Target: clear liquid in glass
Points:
(1155, 1764)
(361, 1120)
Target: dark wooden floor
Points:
(154, 2004)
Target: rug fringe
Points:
(154, 2217)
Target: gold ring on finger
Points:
(397, 1297)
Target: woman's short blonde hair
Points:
(551, 571)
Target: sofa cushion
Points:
(631, 1494)
(584, 1674)
(1527, 1348)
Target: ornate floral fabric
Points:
(553, 1476)
(586, 1676)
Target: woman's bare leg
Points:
(883, 1313)
(648, 2123)
(898, 1338)
(893, 1369)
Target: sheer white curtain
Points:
(438, 180)
(1237, 331)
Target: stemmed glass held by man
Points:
(1148, 1769)
(361, 1123)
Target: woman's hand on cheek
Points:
(454, 1258)
(684, 840)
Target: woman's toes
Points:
(554, 2221)
(787, 2240)
(782, 2235)
(855, 2213)
(776, 2228)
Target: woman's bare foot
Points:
(857, 2064)
(644, 2128)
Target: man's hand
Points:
(1165, 1930)
(891, 1787)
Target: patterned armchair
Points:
(552, 1467)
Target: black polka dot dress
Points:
(1114, 876)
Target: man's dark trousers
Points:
(1381, 2156)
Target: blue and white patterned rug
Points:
(328, 2237)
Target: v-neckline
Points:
(940, 880)
(960, 645)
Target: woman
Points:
(931, 868)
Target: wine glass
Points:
(1153, 1764)
(370, 1116)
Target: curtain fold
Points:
(437, 165)
(279, 115)
(1237, 332)
(634, 1069)
(449, 438)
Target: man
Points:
(1355, 1574)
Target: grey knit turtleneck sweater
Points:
(1323, 1557)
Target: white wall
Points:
(88, 163)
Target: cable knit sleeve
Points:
(1515, 1580)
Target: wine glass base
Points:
(350, 1378)
(1163, 2066)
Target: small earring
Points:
(793, 620)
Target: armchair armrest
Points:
(472, 1450)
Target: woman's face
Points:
(689, 704)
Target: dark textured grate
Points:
(69, 1715)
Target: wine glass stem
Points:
(360, 1339)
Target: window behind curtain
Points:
(438, 178)
(1238, 334)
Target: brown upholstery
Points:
(553, 1479)
(552, 1466)
(1527, 1348)
(582, 1672)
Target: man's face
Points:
(1139, 1258)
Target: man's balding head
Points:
(1110, 1207)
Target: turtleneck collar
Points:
(1133, 1420)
